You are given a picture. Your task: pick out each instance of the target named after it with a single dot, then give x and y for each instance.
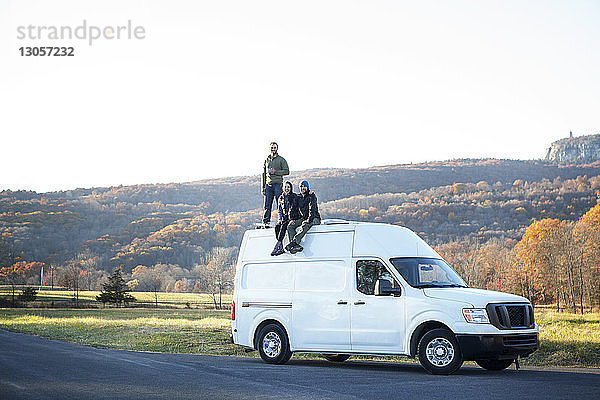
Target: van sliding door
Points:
(321, 305)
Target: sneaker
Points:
(279, 251)
(296, 248)
(290, 246)
(275, 251)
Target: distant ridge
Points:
(575, 150)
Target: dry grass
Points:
(171, 331)
(566, 339)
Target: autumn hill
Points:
(179, 223)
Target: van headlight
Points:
(476, 315)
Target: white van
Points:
(367, 288)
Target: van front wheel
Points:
(273, 344)
(439, 352)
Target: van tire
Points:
(439, 352)
(273, 345)
(494, 365)
(338, 358)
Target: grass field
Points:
(197, 331)
(566, 339)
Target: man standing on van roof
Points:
(309, 216)
(274, 168)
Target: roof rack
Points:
(335, 221)
(259, 225)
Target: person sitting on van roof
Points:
(287, 207)
(309, 216)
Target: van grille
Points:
(520, 340)
(511, 315)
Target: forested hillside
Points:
(181, 225)
(176, 222)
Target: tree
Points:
(89, 264)
(28, 294)
(72, 278)
(218, 273)
(17, 273)
(493, 259)
(534, 259)
(115, 290)
(150, 279)
(587, 232)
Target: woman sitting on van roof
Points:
(287, 207)
(309, 216)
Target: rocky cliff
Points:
(575, 150)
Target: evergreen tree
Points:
(115, 290)
(28, 294)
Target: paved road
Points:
(37, 368)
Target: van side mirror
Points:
(383, 287)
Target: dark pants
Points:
(272, 192)
(280, 230)
(304, 227)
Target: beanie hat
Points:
(305, 183)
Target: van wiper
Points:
(453, 285)
(440, 285)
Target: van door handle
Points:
(342, 302)
(359, 302)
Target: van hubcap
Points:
(440, 352)
(271, 344)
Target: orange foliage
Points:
(138, 270)
(20, 270)
(533, 266)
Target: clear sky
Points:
(336, 83)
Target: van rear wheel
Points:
(273, 344)
(494, 365)
(336, 357)
(439, 352)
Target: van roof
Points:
(369, 239)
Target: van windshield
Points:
(427, 272)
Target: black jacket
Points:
(287, 206)
(307, 205)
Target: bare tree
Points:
(152, 279)
(218, 272)
(90, 264)
(72, 278)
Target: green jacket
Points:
(281, 168)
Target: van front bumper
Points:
(497, 347)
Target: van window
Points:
(268, 276)
(327, 275)
(368, 272)
(422, 272)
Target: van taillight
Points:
(233, 310)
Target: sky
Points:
(346, 84)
